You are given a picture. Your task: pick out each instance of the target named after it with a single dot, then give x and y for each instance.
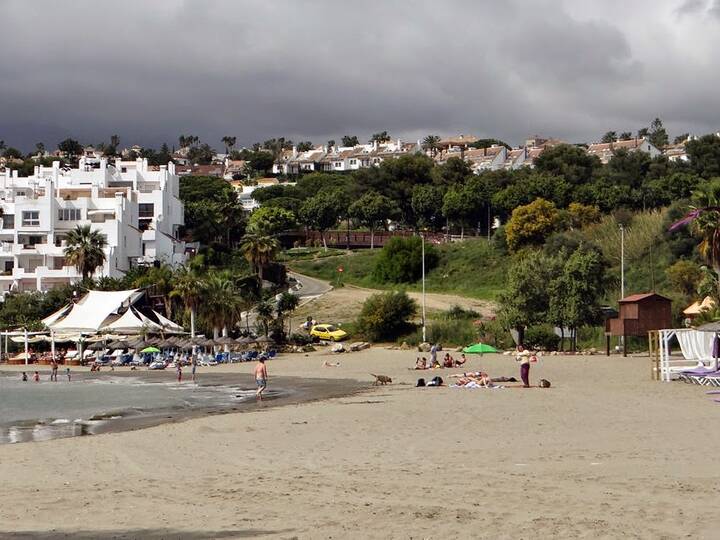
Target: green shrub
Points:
(457, 312)
(385, 316)
(495, 334)
(449, 333)
(300, 338)
(541, 337)
(400, 260)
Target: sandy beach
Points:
(604, 453)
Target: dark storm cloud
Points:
(317, 70)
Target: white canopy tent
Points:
(167, 324)
(132, 322)
(89, 314)
(696, 347)
(97, 311)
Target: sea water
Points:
(31, 411)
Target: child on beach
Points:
(36, 376)
(193, 367)
(178, 369)
(24, 377)
(67, 372)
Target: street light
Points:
(622, 262)
(422, 241)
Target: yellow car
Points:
(328, 332)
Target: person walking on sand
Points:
(67, 372)
(178, 369)
(54, 372)
(261, 376)
(193, 367)
(433, 354)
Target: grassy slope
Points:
(471, 268)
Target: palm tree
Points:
(221, 303)
(259, 251)
(85, 249)
(430, 143)
(265, 315)
(704, 218)
(229, 142)
(161, 281)
(189, 289)
(287, 303)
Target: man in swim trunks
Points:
(261, 376)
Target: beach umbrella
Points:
(121, 344)
(245, 340)
(225, 340)
(166, 343)
(150, 350)
(479, 348)
(96, 346)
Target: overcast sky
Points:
(151, 70)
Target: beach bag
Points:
(436, 381)
(544, 383)
(420, 382)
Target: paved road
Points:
(311, 287)
(304, 287)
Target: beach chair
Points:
(696, 375)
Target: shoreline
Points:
(283, 390)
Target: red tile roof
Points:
(641, 297)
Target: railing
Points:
(362, 239)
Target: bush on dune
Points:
(385, 316)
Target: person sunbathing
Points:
(448, 362)
(460, 361)
(421, 363)
(474, 379)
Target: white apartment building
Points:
(341, 158)
(137, 209)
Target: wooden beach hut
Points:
(638, 314)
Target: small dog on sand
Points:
(381, 379)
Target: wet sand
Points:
(604, 453)
(284, 391)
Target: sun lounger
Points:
(696, 375)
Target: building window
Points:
(8, 221)
(146, 210)
(31, 218)
(69, 214)
(20, 193)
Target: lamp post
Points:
(424, 332)
(622, 262)
(622, 281)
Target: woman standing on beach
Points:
(523, 357)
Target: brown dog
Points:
(381, 379)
